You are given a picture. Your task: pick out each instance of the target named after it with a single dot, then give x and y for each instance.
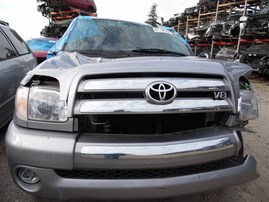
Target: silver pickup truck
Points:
(126, 111)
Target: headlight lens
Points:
(248, 105)
(21, 103)
(45, 105)
(37, 103)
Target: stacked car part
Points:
(212, 25)
(61, 12)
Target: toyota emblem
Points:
(161, 92)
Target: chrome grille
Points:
(140, 84)
(120, 106)
(127, 96)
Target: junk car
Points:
(125, 111)
(253, 56)
(40, 47)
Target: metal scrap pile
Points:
(61, 12)
(212, 17)
(212, 25)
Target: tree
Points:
(153, 17)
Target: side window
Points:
(17, 41)
(6, 50)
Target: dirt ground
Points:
(256, 143)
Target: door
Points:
(15, 61)
(7, 88)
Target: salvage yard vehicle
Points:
(87, 5)
(126, 111)
(226, 53)
(40, 47)
(257, 24)
(253, 56)
(225, 27)
(15, 60)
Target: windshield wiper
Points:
(106, 53)
(157, 50)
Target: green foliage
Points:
(152, 16)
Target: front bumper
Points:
(45, 152)
(53, 186)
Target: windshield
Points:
(97, 36)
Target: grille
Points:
(122, 106)
(124, 95)
(127, 94)
(146, 124)
(150, 173)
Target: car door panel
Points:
(14, 64)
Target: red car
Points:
(87, 5)
(40, 47)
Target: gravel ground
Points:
(256, 143)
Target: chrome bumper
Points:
(159, 151)
(58, 150)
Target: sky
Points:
(22, 15)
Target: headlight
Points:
(46, 105)
(248, 105)
(21, 103)
(41, 104)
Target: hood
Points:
(67, 67)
